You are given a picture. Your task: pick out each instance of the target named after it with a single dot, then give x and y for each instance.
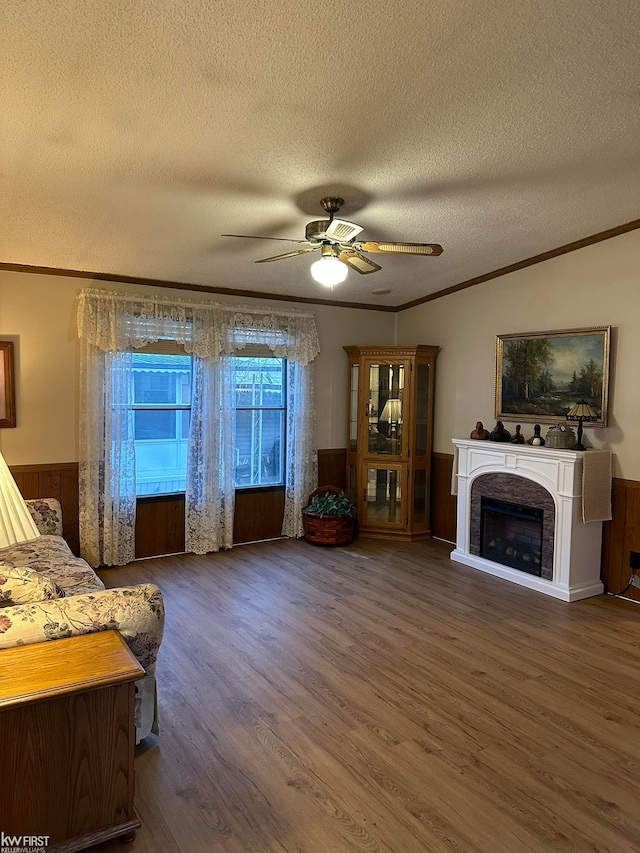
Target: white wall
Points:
(37, 312)
(598, 285)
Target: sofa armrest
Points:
(47, 514)
(137, 612)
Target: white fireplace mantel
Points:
(576, 554)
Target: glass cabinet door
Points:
(385, 416)
(422, 409)
(354, 377)
(384, 496)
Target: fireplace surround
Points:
(547, 481)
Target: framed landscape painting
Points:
(540, 375)
(7, 386)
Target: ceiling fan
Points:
(340, 251)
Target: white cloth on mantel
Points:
(596, 485)
(454, 472)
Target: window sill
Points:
(249, 490)
(180, 496)
(165, 496)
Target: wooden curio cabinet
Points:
(389, 439)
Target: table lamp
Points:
(16, 523)
(581, 412)
(392, 412)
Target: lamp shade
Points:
(581, 411)
(392, 411)
(329, 271)
(16, 523)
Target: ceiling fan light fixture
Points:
(329, 271)
(335, 238)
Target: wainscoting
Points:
(443, 503)
(258, 514)
(160, 521)
(160, 525)
(621, 535)
(54, 481)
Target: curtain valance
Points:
(115, 322)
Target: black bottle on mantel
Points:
(500, 433)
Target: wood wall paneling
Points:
(160, 520)
(444, 505)
(160, 525)
(258, 514)
(54, 481)
(631, 539)
(613, 541)
(621, 535)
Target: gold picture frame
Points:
(540, 375)
(7, 385)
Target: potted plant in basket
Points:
(329, 517)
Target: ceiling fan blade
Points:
(343, 231)
(401, 248)
(357, 261)
(260, 237)
(287, 255)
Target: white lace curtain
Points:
(210, 491)
(301, 463)
(110, 326)
(107, 457)
(115, 322)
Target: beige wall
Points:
(37, 312)
(595, 286)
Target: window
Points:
(260, 400)
(162, 411)
(111, 326)
(161, 416)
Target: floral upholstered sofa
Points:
(46, 593)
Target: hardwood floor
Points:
(380, 698)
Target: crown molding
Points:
(364, 306)
(528, 262)
(182, 285)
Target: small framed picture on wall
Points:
(7, 385)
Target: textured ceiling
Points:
(134, 134)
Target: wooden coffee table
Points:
(67, 740)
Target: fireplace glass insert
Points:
(511, 534)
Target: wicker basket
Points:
(327, 529)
